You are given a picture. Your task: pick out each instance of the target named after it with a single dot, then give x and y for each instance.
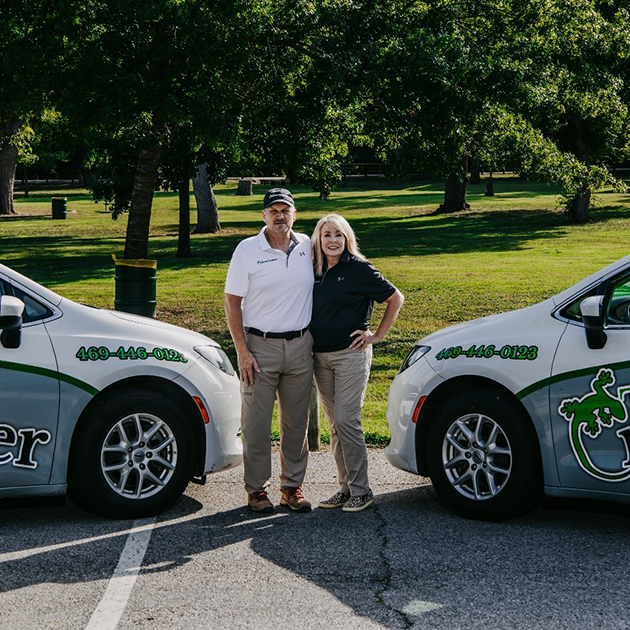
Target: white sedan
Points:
(118, 410)
(501, 409)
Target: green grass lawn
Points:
(506, 252)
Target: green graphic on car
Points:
(102, 353)
(516, 352)
(593, 413)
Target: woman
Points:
(346, 286)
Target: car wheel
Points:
(483, 457)
(132, 457)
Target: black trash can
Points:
(135, 286)
(59, 207)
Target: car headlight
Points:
(416, 353)
(217, 357)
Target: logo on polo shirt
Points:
(262, 262)
(340, 278)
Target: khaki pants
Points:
(341, 379)
(286, 368)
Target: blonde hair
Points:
(339, 223)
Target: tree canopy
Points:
(146, 92)
(541, 86)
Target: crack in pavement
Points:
(387, 579)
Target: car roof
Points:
(593, 279)
(31, 285)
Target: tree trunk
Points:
(475, 177)
(8, 164)
(207, 210)
(137, 241)
(454, 193)
(183, 242)
(579, 205)
(489, 187)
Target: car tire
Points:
(132, 456)
(483, 456)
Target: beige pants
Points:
(286, 369)
(341, 379)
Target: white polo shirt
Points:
(277, 288)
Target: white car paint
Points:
(539, 359)
(51, 381)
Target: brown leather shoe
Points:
(259, 502)
(294, 498)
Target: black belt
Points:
(291, 334)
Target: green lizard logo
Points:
(589, 415)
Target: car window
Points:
(618, 303)
(573, 310)
(33, 310)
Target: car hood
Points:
(492, 321)
(138, 320)
(445, 332)
(110, 322)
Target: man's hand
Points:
(247, 365)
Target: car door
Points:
(590, 396)
(29, 399)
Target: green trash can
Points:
(135, 286)
(59, 207)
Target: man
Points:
(268, 303)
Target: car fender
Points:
(528, 354)
(404, 394)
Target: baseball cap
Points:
(278, 195)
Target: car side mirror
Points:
(11, 309)
(592, 309)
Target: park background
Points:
(506, 252)
(499, 130)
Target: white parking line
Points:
(12, 556)
(108, 612)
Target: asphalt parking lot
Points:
(404, 563)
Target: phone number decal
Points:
(134, 354)
(523, 353)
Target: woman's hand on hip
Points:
(363, 339)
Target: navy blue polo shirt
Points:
(343, 299)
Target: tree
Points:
(207, 209)
(32, 49)
(9, 150)
(303, 112)
(440, 68)
(583, 106)
(212, 169)
(450, 74)
(146, 70)
(183, 241)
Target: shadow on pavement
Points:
(406, 562)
